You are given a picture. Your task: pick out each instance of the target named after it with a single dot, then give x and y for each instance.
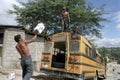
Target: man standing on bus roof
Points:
(65, 18)
(26, 61)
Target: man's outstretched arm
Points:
(33, 38)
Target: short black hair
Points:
(17, 37)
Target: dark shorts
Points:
(27, 67)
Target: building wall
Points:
(11, 56)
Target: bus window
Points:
(86, 50)
(94, 53)
(47, 47)
(90, 52)
(74, 46)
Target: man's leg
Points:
(65, 25)
(23, 69)
(29, 69)
(62, 25)
(68, 23)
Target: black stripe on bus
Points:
(81, 54)
(80, 63)
(46, 53)
(46, 60)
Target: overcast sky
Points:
(5, 18)
(110, 33)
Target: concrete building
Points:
(9, 57)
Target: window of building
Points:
(1, 38)
(1, 42)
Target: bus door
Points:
(59, 55)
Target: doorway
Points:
(59, 56)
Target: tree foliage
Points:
(103, 51)
(112, 53)
(85, 17)
(115, 53)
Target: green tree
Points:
(113, 53)
(103, 51)
(85, 17)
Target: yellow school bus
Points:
(71, 55)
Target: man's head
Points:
(17, 37)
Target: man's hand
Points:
(36, 32)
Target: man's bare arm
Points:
(33, 39)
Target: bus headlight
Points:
(45, 65)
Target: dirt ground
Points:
(113, 73)
(4, 74)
